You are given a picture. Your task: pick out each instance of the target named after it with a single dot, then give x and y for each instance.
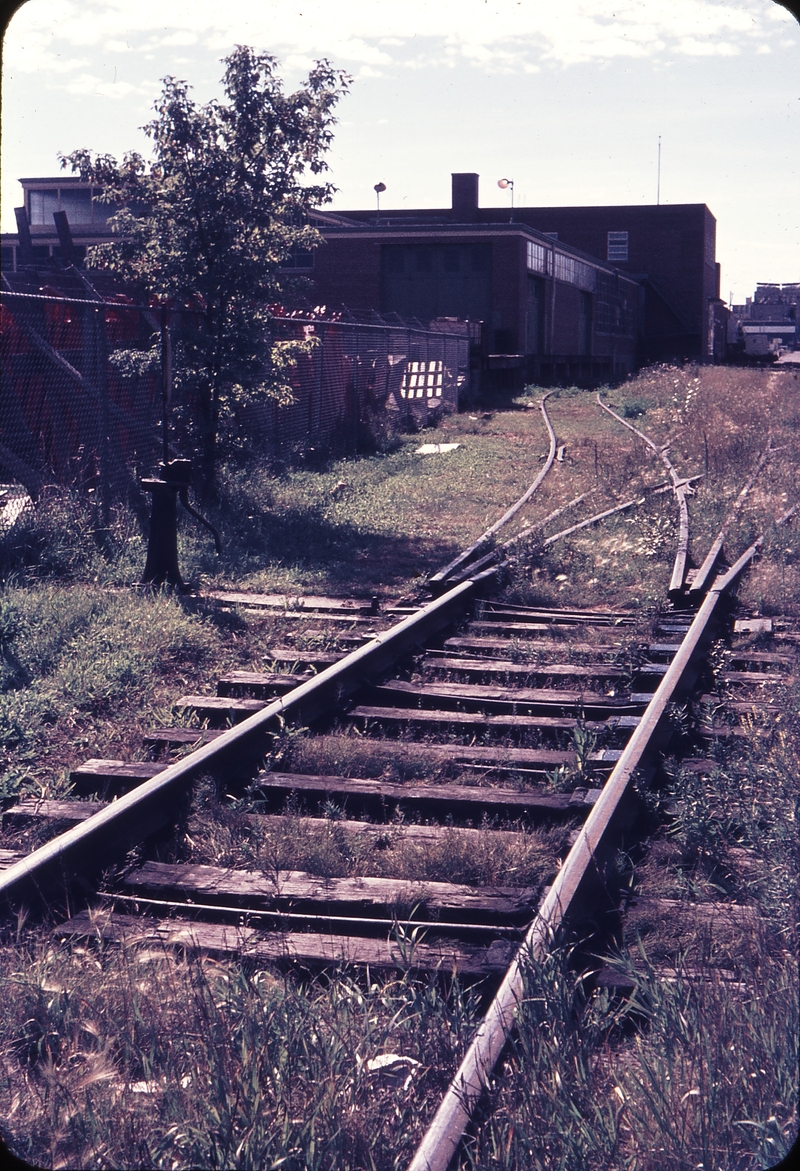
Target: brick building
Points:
(577, 294)
(667, 251)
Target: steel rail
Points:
(486, 539)
(250, 913)
(540, 524)
(442, 1138)
(705, 570)
(151, 805)
(681, 488)
(591, 520)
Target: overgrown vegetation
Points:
(132, 1057)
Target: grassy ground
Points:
(128, 1058)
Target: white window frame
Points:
(617, 246)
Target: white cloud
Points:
(356, 32)
(693, 47)
(178, 38)
(90, 83)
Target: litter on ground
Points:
(436, 448)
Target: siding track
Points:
(492, 721)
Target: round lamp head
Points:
(379, 187)
(503, 183)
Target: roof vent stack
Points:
(465, 197)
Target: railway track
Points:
(483, 726)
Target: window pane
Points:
(43, 204)
(77, 205)
(617, 246)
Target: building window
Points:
(298, 258)
(537, 257)
(80, 203)
(574, 272)
(43, 204)
(77, 204)
(617, 246)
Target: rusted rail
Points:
(132, 818)
(486, 540)
(682, 488)
(447, 1128)
(704, 572)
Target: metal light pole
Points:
(378, 188)
(503, 184)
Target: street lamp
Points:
(378, 188)
(503, 184)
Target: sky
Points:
(568, 99)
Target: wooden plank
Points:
(118, 775)
(740, 706)
(540, 644)
(387, 837)
(292, 603)
(265, 683)
(290, 654)
(10, 858)
(524, 629)
(442, 799)
(300, 889)
(762, 678)
(508, 759)
(624, 982)
(698, 914)
(481, 694)
(768, 657)
(510, 667)
(472, 719)
(220, 707)
(383, 837)
(34, 809)
(565, 613)
(292, 946)
(162, 738)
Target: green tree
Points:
(210, 218)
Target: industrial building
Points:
(566, 294)
(576, 287)
(766, 323)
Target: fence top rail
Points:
(275, 319)
(378, 327)
(96, 304)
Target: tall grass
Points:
(71, 658)
(135, 1057)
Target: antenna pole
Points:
(658, 182)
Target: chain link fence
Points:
(75, 413)
(359, 381)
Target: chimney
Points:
(465, 198)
